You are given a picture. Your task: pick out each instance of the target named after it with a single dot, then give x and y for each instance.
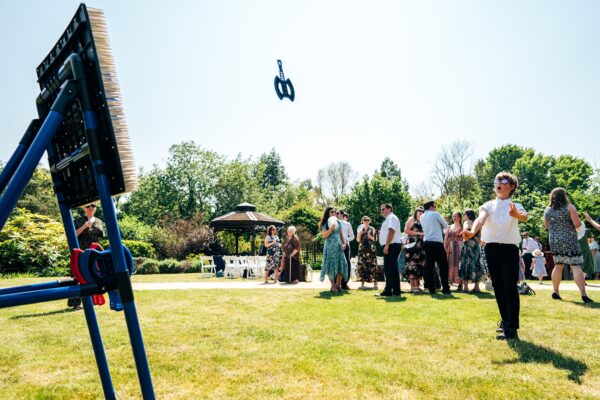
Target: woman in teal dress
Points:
(334, 264)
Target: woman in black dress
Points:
(290, 262)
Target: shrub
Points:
(179, 238)
(169, 266)
(34, 244)
(139, 248)
(148, 267)
(133, 229)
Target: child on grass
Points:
(539, 265)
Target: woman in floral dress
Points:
(367, 253)
(415, 254)
(453, 243)
(471, 265)
(334, 264)
(273, 245)
(562, 222)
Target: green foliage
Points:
(366, 197)
(270, 170)
(139, 248)
(33, 243)
(303, 214)
(181, 190)
(38, 196)
(169, 266)
(148, 267)
(134, 229)
(499, 159)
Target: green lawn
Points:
(307, 344)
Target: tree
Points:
(235, 184)
(38, 196)
(270, 170)
(334, 181)
(367, 196)
(499, 159)
(451, 168)
(184, 188)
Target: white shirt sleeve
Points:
(350, 232)
(442, 221)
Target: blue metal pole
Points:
(25, 170)
(96, 336)
(88, 305)
(39, 296)
(124, 282)
(37, 286)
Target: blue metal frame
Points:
(13, 180)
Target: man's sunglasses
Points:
(503, 181)
(91, 206)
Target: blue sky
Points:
(373, 79)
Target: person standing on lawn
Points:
(562, 221)
(390, 239)
(499, 224)
(334, 263)
(367, 253)
(90, 230)
(433, 229)
(349, 234)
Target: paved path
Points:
(239, 283)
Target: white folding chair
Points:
(231, 267)
(208, 268)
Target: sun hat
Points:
(537, 253)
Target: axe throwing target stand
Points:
(81, 126)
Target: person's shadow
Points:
(529, 352)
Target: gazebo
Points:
(244, 219)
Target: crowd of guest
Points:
(465, 250)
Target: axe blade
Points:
(279, 87)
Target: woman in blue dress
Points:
(334, 264)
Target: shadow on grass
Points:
(482, 295)
(442, 296)
(45, 314)
(586, 305)
(328, 294)
(392, 299)
(529, 352)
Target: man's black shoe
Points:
(384, 294)
(508, 334)
(500, 328)
(345, 286)
(446, 291)
(399, 294)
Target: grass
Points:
(307, 344)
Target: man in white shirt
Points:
(390, 239)
(499, 223)
(349, 235)
(528, 245)
(433, 243)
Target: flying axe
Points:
(283, 87)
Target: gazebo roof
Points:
(244, 217)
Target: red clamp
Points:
(97, 299)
